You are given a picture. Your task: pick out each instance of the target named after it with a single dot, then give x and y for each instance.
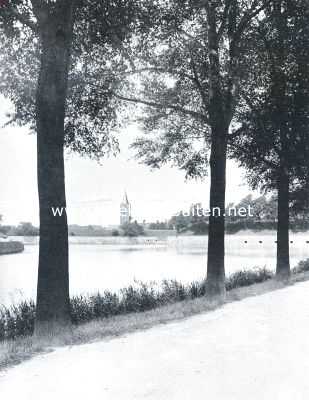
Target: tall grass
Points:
(302, 266)
(18, 320)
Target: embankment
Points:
(11, 247)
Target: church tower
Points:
(125, 210)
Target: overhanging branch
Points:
(180, 109)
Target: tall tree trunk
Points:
(55, 25)
(215, 284)
(283, 256)
(281, 123)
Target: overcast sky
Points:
(95, 191)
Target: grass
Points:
(139, 306)
(18, 320)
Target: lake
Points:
(112, 263)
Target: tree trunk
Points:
(283, 256)
(55, 25)
(215, 284)
(280, 118)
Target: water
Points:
(111, 263)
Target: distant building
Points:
(125, 210)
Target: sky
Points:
(94, 191)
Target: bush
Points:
(245, 224)
(247, 278)
(197, 289)
(16, 321)
(302, 266)
(138, 298)
(132, 229)
(173, 291)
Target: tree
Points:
(195, 61)
(55, 44)
(26, 229)
(132, 229)
(274, 145)
(115, 232)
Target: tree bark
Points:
(55, 27)
(281, 123)
(283, 256)
(215, 283)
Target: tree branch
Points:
(248, 16)
(24, 19)
(236, 133)
(182, 110)
(253, 109)
(198, 83)
(162, 71)
(224, 18)
(267, 47)
(191, 38)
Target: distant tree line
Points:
(161, 225)
(265, 216)
(131, 229)
(22, 229)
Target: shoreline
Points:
(15, 351)
(11, 247)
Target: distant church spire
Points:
(125, 198)
(125, 210)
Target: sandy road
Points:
(254, 349)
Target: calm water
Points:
(108, 263)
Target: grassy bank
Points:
(139, 306)
(18, 320)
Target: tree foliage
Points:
(100, 58)
(174, 87)
(259, 147)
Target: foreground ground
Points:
(254, 349)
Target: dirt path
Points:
(254, 349)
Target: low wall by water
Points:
(11, 247)
(104, 240)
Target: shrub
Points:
(247, 278)
(138, 298)
(197, 289)
(18, 320)
(173, 291)
(302, 266)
